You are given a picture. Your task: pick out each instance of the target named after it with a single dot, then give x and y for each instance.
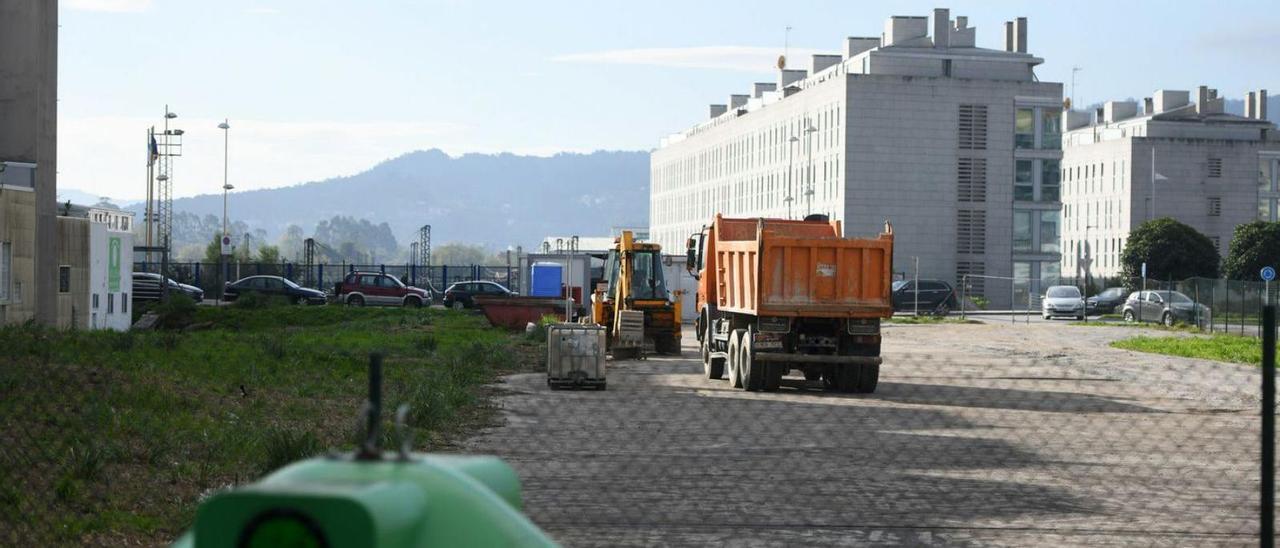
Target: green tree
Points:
(213, 251)
(1172, 251)
(459, 254)
(269, 254)
(1253, 246)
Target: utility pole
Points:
(790, 197)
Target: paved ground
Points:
(986, 434)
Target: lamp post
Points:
(792, 140)
(1087, 263)
(809, 130)
(226, 187)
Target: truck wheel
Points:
(772, 376)
(712, 367)
(868, 378)
(812, 375)
(752, 369)
(735, 374)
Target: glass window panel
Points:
(1022, 231)
(1050, 128)
(1050, 184)
(1050, 272)
(1049, 231)
(1024, 129)
(1265, 168)
(1024, 181)
(1264, 209)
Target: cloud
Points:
(107, 155)
(263, 10)
(117, 6)
(742, 58)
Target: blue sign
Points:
(1268, 273)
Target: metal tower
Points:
(168, 147)
(309, 260)
(424, 245)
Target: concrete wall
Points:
(28, 127)
(17, 228)
(73, 252)
(110, 277)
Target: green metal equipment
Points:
(372, 499)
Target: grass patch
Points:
(915, 320)
(117, 436)
(1223, 348)
(1178, 327)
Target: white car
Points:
(1062, 301)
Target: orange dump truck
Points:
(777, 295)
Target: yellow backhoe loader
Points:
(634, 306)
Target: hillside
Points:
(491, 199)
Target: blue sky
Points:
(318, 88)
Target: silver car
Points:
(1062, 301)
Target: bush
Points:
(1171, 250)
(1253, 246)
(176, 312)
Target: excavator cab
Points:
(635, 306)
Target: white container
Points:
(575, 356)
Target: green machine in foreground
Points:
(372, 499)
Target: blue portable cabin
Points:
(545, 279)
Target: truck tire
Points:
(772, 376)
(868, 378)
(735, 374)
(712, 367)
(752, 372)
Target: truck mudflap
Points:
(816, 358)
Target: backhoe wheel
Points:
(712, 367)
(735, 339)
(752, 369)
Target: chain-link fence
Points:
(209, 276)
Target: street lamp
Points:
(790, 141)
(809, 130)
(226, 187)
(1086, 264)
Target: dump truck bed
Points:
(773, 267)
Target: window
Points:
(1050, 128)
(1024, 128)
(6, 270)
(1049, 221)
(971, 179)
(1264, 209)
(95, 301)
(971, 231)
(1022, 231)
(124, 303)
(972, 127)
(1215, 207)
(1024, 184)
(64, 279)
(1264, 175)
(1050, 182)
(18, 174)
(1215, 168)
(111, 303)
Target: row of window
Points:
(1268, 188)
(111, 303)
(1037, 128)
(1036, 231)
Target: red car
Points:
(378, 289)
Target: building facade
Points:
(95, 270)
(957, 146)
(1169, 157)
(17, 242)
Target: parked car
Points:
(272, 285)
(459, 295)
(147, 285)
(1166, 307)
(378, 289)
(1107, 301)
(1062, 301)
(935, 296)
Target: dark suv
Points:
(935, 296)
(459, 295)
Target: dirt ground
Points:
(984, 435)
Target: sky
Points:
(319, 88)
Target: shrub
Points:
(176, 312)
(285, 446)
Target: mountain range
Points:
(495, 200)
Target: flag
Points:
(153, 151)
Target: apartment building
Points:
(1168, 157)
(957, 145)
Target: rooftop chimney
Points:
(758, 88)
(1148, 106)
(941, 28)
(738, 101)
(1020, 34)
(961, 35)
(1262, 104)
(786, 77)
(1169, 99)
(821, 62)
(717, 110)
(1250, 107)
(1008, 35)
(903, 30)
(1207, 101)
(1115, 111)
(854, 45)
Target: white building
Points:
(1213, 171)
(95, 270)
(922, 130)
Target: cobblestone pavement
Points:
(983, 435)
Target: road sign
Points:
(1144, 270)
(226, 245)
(1268, 273)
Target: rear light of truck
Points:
(864, 326)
